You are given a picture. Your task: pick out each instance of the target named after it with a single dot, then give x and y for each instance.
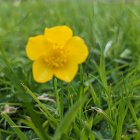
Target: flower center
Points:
(57, 57)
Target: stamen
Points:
(57, 58)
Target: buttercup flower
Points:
(56, 53)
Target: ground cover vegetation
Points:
(103, 100)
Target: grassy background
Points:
(110, 76)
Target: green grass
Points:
(102, 102)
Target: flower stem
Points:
(81, 90)
(57, 97)
(81, 81)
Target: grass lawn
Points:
(103, 100)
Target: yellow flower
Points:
(56, 53)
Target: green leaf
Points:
(69, 118)
(137, 136)
(43, 108)
(20, 134)
(65, 137)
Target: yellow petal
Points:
(36, 46)
(77, 49)
(67, 72)
(41, 72)
(58, 34)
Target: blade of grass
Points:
(95, 98)
(6, 131)
(69, 118)
(20, 134)
(47, 113)
(39, 134)
(131, 108)
(123, 108)
(105, 115)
